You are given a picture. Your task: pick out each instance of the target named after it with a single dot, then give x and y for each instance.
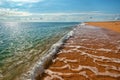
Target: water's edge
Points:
(40, 65)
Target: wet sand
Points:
(92, 53)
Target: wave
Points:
(41, 64)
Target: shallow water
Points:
(21, 42)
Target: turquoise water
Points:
(20, 41)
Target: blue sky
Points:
(59, 10)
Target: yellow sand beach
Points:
(114, 25)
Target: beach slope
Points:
(91, 53)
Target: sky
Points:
(59, 10)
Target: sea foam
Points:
(40, 65)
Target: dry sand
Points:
(92, 53)
(115, 25)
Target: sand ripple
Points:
(92, 53)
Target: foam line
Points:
(39, 66)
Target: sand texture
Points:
(115, 25)
(92, 53)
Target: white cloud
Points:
(20, 4)
(6, 14)
(25, 1)
(12, 12)
(70, 14)
(70, 17)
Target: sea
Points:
(23, 43)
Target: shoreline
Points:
(67, 60)
(18, 64)
(44, 61)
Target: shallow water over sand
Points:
(23, 43)
(92, 53)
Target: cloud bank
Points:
(12, 12)
(7, 14)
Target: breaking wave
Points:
(40, 65)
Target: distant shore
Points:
(112, 25)
(91, 53)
